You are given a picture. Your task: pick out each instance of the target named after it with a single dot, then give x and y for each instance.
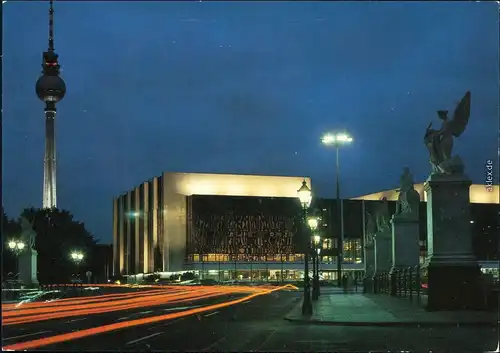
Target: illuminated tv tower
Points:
(50, 88)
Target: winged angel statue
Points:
(440, 142)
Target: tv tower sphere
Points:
(50, 88)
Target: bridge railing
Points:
(401, 282)
(411, 283)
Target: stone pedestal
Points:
(383, 256)
(453, 274)
(405, 242)
(383, 251)
(28, 269)
(369, 267)
(405, 245)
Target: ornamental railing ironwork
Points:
(402, 282)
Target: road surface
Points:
(252, 325)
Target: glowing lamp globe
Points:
(77, 256)
(305, 195)
(313, 223)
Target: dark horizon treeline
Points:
(58, 235)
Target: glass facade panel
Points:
(353, 252)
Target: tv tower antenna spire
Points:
(50, 88)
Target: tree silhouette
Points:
(58, 235)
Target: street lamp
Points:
(338, 140)
(77, 256)
(16, 246)
(313, 223)
(305, 197)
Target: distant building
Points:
(484, 213)
(478, 194)
(353, 231)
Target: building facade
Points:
(154, 229)
(227, 226)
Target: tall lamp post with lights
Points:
(305, 197)
(337, 140)
(16, 246)
(313, 225)
(77, 257)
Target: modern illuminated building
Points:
(50, 88)
(228, 226)
(206, 222)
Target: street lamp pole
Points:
(304, 194)
(316, 249)
(337, 140)
(313, 225)
(77, 257)
(16, 246)
(314, 295)
(340, 227)
(318, 260)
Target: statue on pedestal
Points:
(408, 199)
(440, 142)
(28, 272)
(370, 229)
(382, 219)
(28, 235)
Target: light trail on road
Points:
(127, 324)
(106, 297)
(143, 304)
(96, 305)
(67, 301)
(140, 303)
(51, 307)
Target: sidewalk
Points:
(337, 290)
(383, 310)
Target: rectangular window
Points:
(212, 257)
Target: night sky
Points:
(241, 88)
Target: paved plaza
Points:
(357, 309)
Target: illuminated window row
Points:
(244, 257)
